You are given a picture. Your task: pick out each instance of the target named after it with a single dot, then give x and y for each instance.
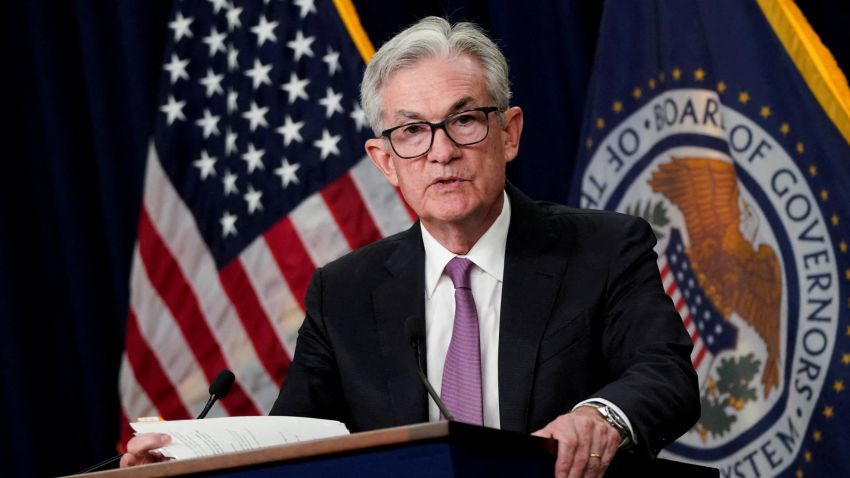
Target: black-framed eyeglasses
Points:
(464, 128)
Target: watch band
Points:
(613, 419)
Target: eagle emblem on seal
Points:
(736, 275)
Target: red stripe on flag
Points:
(670, 289)
(177, 294)
(680, 303)
(254, 319)
(700, 356)
(291, 256)
(687, 320)
(350, 212)
(150, 374)
(665, 270)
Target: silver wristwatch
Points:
(613, 419)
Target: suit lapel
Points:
(399, 297)
(531, 282)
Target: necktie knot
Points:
(458, 270)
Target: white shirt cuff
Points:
(616, 410)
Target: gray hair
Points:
(428, 38)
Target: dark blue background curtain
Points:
(80, 100)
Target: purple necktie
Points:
(461, 389)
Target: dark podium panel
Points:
(442, 449)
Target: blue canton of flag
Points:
(265, 103)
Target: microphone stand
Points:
(417, 344)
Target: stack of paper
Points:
(214, 436)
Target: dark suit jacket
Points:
(583, 315)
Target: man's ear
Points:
(511, 132)
(382, 159)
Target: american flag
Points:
(256, 175)
(710, 333)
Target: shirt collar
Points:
(488, 253)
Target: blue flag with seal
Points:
(725, 125)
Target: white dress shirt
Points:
(488, 255)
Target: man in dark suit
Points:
(538, 318)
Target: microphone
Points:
(218, 389)
(415, 328)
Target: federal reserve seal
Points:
(745, 254)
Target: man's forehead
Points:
(434, 85)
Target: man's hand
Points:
(140, 449)
(586, 443)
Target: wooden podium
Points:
(441, 449)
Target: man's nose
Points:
(443, 149)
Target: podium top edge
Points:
(401, 435)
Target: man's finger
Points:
(128, 459)
(597, 450)
(612, 444)
(584, 432)
(146, 442)
(567, 440)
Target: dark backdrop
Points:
(78, 108)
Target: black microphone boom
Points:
(415, 328)
(218, 389)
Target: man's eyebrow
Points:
(404, 114)
(456, 106)
(461, 103)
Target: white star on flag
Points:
(306, 6)
(254, 158)
(212, 83)
(327, 144)
(301, 45)
(359, 117)
(332, 102)
(290, 130)
(232, 96)
(206, 165)
(177, 68)
(230, 142)
(209, 123)
(228, 224)
(332, 60)
(260, 74)
(252, 197)
(296, 88)
(232, 15)
(287, 171)
(256, 116)
(232, 57)
(180, 25)
(173, 110)
(215, 41)
(264, 31)
(229, 182)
